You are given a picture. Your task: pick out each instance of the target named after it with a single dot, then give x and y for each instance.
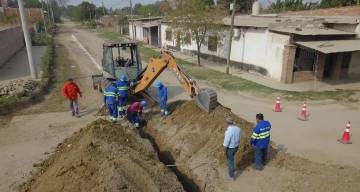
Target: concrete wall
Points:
(11, 41)
(256, 47)
(354, 69)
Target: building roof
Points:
(310, 31)
(251, 21)
(338, 11)
(332, 46)
(273, 19)
(146, 19)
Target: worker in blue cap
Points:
(110, 100)
(163, 96)
(123, 87)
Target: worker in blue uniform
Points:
(163, 96)
(123, 87)
(111, 101)
(261, 139)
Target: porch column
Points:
(320, 65)
(288, 63)
(336, 70)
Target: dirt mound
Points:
(103, 157)
(194, 139)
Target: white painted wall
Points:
(354, 69)
(256, 46)
(138, 30)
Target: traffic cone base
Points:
(277, 105)
(344, 142)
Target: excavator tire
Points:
(206, 99)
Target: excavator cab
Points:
(124, 59)
(118, 59)
(121, 59)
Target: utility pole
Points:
(43, 16)
(28, 44)
(132, 21)
(230, 37)
(52, 13)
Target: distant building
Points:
(147, 30)
(288, 48)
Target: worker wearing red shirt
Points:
(134, 111)
(71, 91)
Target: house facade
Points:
(146, 30)
(287, 48)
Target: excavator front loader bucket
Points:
(206, 99)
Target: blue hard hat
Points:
(158, 84)
(123, 77)
(144, 103)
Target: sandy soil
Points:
(315, 139)
(103, 157)
(28, 135)
(194, 139)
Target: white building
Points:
(146, 30)
(284, 47)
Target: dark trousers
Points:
(261, 156)
(230, 153)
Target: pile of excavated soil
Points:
(103, 157)
(192, 140)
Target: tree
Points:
(243, 6)
(195, 18)
(336, 3)
(289, 5)
(27, 4)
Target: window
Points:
(212, 43)
(168, 36)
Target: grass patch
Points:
(112, 36)
(11, 103)
(234, 83)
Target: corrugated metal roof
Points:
(310, 31)
(333, 46)
(270, 20)
(150, 24)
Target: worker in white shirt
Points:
(231, 145)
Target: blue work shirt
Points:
(110, 94)
(123, 87)
(163, 94)
(261, 135)
(232, 137)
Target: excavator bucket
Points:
(206, 99)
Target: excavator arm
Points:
(205, 98)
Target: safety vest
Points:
(122, 87)
(261, 134)
(110, 95)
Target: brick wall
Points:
(340, 11)
(11, 41)
(33, 14)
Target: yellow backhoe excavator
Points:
(128, 63)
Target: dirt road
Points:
(34, 131)
(315, 139)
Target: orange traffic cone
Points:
(304, 113)
(277, 105)
(346, 135)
